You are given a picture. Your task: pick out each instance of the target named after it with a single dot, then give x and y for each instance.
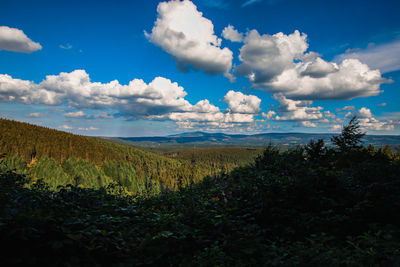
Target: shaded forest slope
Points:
(61, 158)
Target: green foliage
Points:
(8, 163)
(299, 207)
(84, 173)
(51, 172)
(350, 138)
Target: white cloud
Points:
(35, 115)
(66, 127)
(240, 103)
(345, 108)
(329, 115)
(183, 32)
(383, 57)
(66, 47)
(77, 114)
(296, 110)
(269, 115)
(240, 112)
(77, 90)
(13, 39)
(279, 64)
(250, 2)
(369, 122)
(161, 99)
(27, 92)
(336, 127)
(90, 128)
(266, 56)
(353, 79)
(308, 124)
(229, 33)
(319, 68)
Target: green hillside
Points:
(225, 159)
(61, 158)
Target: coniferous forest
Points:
(73, 200)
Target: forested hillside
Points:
(61, 158)
(225, 159)
(312, 206)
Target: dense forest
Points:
(60, 158)
(310, 206)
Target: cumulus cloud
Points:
(369, 122)
(160, 99)
(318, 68)
(353, 79)
(269, 115)
(377, 56)
(27, 92)
(77, 90)
(308, 124)
(192, 43)
(296, 110)
(266, 56)
(13, 39)
(279, 64)
(241, 103)
(240, 112)
(229, 33)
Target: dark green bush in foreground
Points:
(313, 206)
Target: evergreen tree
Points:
(350, 138)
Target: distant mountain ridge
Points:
(204, 139)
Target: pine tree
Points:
(350, 138)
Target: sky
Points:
(154, 68)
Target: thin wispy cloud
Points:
(251, 2)
(222, 4)
(384, 57)
(66, 47)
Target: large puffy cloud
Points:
(161, 99)
(27, 92)
(352, 79)
(266, 56)
(279, 64)
(13, 39)
(77, 90)
(183, 32)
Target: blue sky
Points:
(143, 68)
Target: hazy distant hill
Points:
(203, 139)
